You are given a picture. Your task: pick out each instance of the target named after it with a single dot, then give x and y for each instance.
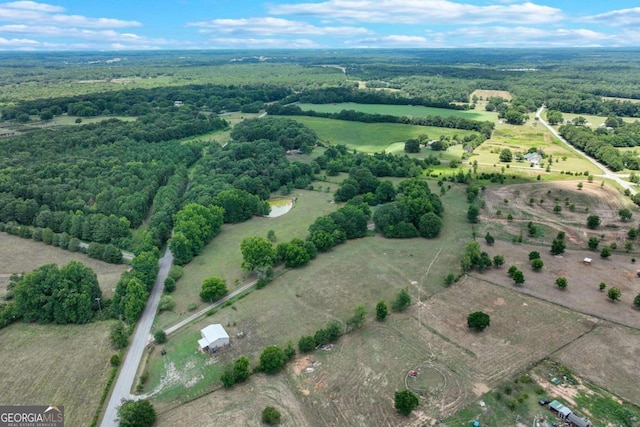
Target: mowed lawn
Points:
(400, 110)
(55, 365)
(24, 255)
(373, 137)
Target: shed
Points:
(587, 261)
(577, 421)
(213, 337)
(563, 411)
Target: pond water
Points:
(279, 207)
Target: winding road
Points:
(605, 172)
(141, 338)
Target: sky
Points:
(318, 24)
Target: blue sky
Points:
(275, 24)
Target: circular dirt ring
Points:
(428, 381)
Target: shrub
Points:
(405, 402)
(534, 255)
(166, 303)
(537, 264)
(160, 337)
(270, 416)
(402, 301)
(169, 285)
(115, 360)
(562, 282)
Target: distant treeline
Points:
(453, 122)
(138, 102)
(347, 94)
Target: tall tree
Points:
(258, 254)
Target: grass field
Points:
(485, 94)
(24, 255)
(372, 137)
(519, 139)
(55, 365)
(400, 110)
(222, 257)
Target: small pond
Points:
(280, 207)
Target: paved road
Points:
(209, 307)
(605, 172)
(141, 337)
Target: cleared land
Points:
(372, 137)
(400, 110)
(519, 139)
(485, 94)
(23, 255)
(55, 365)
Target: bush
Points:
(381, 310)
(119, 335)
(115, 360)
(166, 303)
(306, 344)
(534, 255)
(450, 279)
(562, 282)
(160, 337)
(169, 285)
(405, 402)
(402, 301)
(537, 264)
(270, 416)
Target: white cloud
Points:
(620, 17)
(527, 37)
(268, 26)
(425, 12)
(242, 43)
(32, 5)
(394, 40)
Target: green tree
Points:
(614, 293)
(227, 378)
(272, 359)
(381, 310)
(562, 282)
(632, 233)
(498, 260)
(636, 301)
(119, 335)
(136, 413)
(241, 369)
(385, 192)
(593, 221)
(412, 146)
(558, 245)
(506, 155)
(472, 214)
(258, 253)
(133, 301)
(430, 225)
(625, 214)
(478, 320)
(554, 117)
(358, 318)
(537, 264)
(160, 337)
(306, 344)
(166, 303)
(534, 255)
(271, 416)
(406, 402)
(489, 239)
(593, 243)
(557, 209)
(213, 289)
(602, 286)
(289, 351)
(169, 285)
(518, 277)
(402, 301)
(605, 252)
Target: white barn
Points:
(213, 337)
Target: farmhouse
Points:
(533, 158)
(213, 337)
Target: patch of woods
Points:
(140, 102)
(600, 143)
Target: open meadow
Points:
(400, 110)
(55, 365)
(24, 255)
(372, 137)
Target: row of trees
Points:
(194, 226)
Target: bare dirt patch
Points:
(487, 93)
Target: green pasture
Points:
(373, 137)
(592, 121)
(222, 258)
(400, 110)
(519, 139)
(302, 300)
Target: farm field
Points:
(400, 110)
(24, 255)
(222, 258)
(372, 137)
(55, 365)
(594, 121)
(354, 383)
(519, 139)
